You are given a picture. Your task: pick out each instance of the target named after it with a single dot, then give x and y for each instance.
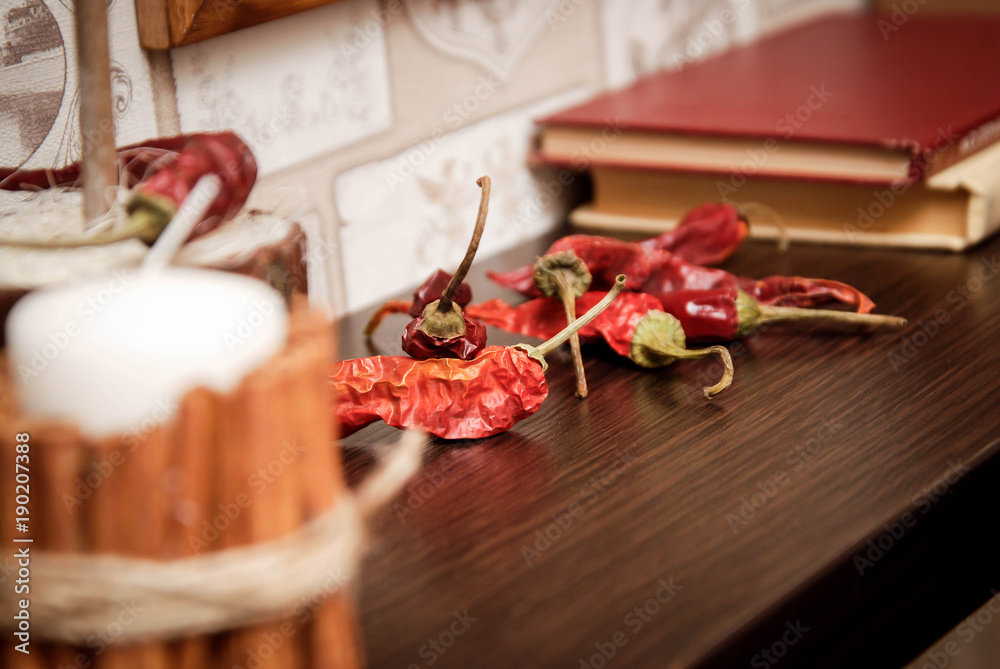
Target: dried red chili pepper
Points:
(442, 330)
(433, 288)
(658, 272)
(564, 276)
(428, 291)
(599, 254)
(453, 399)
(730, 313)
(156, 198)
(634, 326)
(674, 274)
(706, 235)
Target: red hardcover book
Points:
(864, 97)
(854, 129)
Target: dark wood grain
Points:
(634, 486)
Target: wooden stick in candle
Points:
(332, 630)
(127, 513)
(99, 168)
(192, 440)
(254, 478)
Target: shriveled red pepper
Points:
(441, 329)
(706, 235)
(450, 398)
(674, 274)
(634, 326)
(599, 254)
(156, 199)
(428, 291)
(158, 196)
(658, 272)
(433, 288)
(724, 314)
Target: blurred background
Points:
(371, 119)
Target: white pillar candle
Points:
(116, 355)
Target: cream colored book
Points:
(952, 209)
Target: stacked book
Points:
(853, 129)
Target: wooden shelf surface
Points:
(551, 535)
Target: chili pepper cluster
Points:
(671, 299)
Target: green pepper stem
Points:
(563, 274)
(547, 347)
(444, 304)
(136, 229)
(569, 304)
(769, 314)
(658, 340)
(698, 353)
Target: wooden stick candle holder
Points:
(224, 536)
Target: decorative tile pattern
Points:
(493, 34)
(294, 88)
(404, 216)
(641, 36)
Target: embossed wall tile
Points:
(494, 34)
(406, 215)
(295, 88)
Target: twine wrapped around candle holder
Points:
(223, 537)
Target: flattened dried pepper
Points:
(453, 399)
(634, 326)
(724, 314)
(599, 254)
(441, 329)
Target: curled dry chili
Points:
(450, 398)
(441, 329)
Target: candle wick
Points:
(180, 226)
